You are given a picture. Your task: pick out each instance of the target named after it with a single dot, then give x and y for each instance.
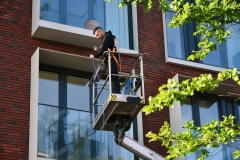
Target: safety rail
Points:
(129, 81)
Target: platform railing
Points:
(130, 79)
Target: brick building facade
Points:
(17, 45)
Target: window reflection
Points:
(180, 42)
(48, 88)
(186, 112)
(239, 112)
(214, 57)
(175, 39)
(233, 47)
(78, 93)
(65, 130)
(89, 14)
(47, 131)
(68, 134)
(208, 111)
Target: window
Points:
(239, 112)
(181, 43)
(89, 14)
(203, 110)
(64, 119)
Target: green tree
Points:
(213, 19)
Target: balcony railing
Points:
(65, 133)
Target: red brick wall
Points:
(16, 49)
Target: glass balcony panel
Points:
(67, 134)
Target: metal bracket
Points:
(119, 129)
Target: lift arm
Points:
(132, 145)
(138, 149)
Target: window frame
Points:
(190, 41)
(63, 73)
(175, 113)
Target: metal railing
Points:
(132, 81)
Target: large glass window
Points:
(187, 115)
(175, 39)
(203, 110)
(181, 43)
(49, 88)
(186, 112)
(77, 93)
(208, 111)
(233, 47)
(65, 121)
(89, 14)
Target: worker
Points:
(109, 44)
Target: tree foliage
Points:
(174, 90)
(211, 135)
(213, 21)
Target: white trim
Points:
(66, 28)
(140, 128)
(176, 120)
(35, 15)
(33, 126)
(135, 28)
(175, 117)
(165, 36)
(194, 64)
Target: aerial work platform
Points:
(116, 112)
(124, 106)
(116, 107)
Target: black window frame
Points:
(223, 108)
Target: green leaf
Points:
(236, 154)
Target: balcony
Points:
(73, 23)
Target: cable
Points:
(103, 110)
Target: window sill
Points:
(194, 64)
